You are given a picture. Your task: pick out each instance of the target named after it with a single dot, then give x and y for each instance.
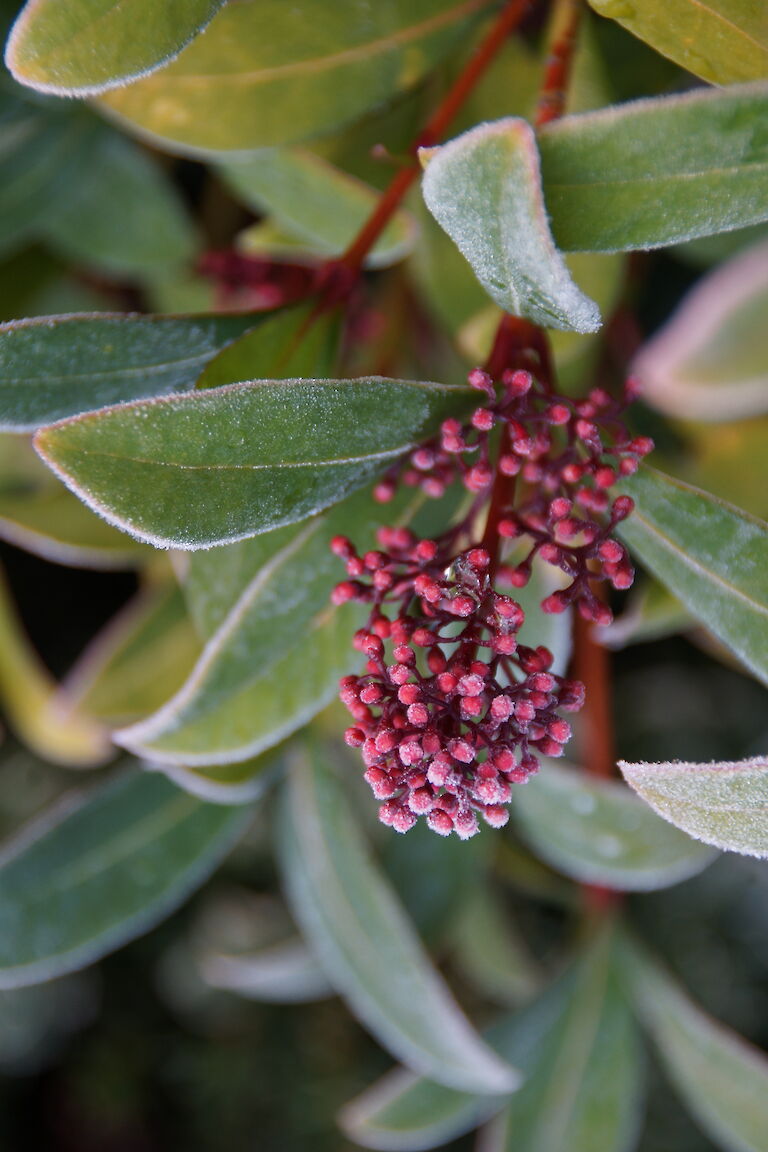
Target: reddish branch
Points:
(509, 18)
(558, 68)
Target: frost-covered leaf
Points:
(38, 514)
(725, 804)
(710, 360)
(316, 203)
(323, 64)
(56, 366)
(220, 465)
(584, 1085)
(722, 1078)
(484, 189)
(275, 648)
(712, 557)
(364, 941)
(95, 873)
(655, 172)
(723, 41)
(598, 832)
(577, 1045)
(86, 46)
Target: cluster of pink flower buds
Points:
(442, 735)
(451, 709)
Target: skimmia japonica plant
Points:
(411, 354)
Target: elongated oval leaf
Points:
(724, 42)
(655, 172)
(263, 606)
(57, 366)
(710, 361)
(86, 46)
(578, 1047)
(227, 463)
(94, 874)
(599, 833)
(484, 189)
(583, 1090)
(125, 218)
(268, 73)
(367, 947)
(722, 1078)
(316, 202)
(712, 557)
(285, 973)
(723, 804)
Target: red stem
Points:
(558, 68)
(510, 16)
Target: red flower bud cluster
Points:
(451, 710)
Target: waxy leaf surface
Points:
(710, 360)
(94, 874)
(722, 41)
(267, 73)
(484, 189)
(316, 203)
(220, 465)
(583, 1089)
(364, 941)
(722, 1078)
(655, 172)
(578, 1047)
(723, 804)
(58, 366)
(712, 557)
(85, 46)
(596, 831)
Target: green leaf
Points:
(153, 630)
(220, 465)
(578, 1047)
(125, 218)
(315, 202)
(285, 973)
(38, 514)
(228, 783)
(583, 1090)
(722, 804)
(364, 942)
(275, 646)
(710, 361)
(266, 73)
(57, 366)
(94, 874)
(722, 1078)
(484, 189)
(87, 46)
(596, 831)
(655, 172)
(724, 42)
(42, 717)
(712, 557)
